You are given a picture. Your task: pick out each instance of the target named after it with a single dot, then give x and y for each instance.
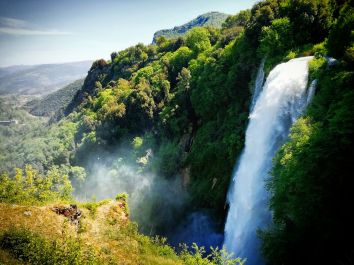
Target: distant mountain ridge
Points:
(56, 102)
(4, 71)
(40, 79)
(213, 19)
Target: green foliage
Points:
(341, 37)
(197, 256)
(320, 50)
(240, 19)
(122, 196)
(29, 187)
(137, 142)
(33, 249)
(315, 66)
(32, 142)
(140, 107)
(276, 38)
(168, 159)
(92, 206)
(311, 19)
(180, 59)
(55, 103)
(155, 246)
(290, 55)
(217, 81)
(197, 39)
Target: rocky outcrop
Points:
(71, 212)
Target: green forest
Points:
(178, 109)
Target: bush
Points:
(32, 248)
(197, 256)
(122, 196)
(168, 159)
(341, 36)
(276, 38)
(93, 206)
(315, 66)
(197, 39)
(30, 187)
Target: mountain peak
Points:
(213, 19)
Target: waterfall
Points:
(311, 92)
(258, 85)
(279, 104)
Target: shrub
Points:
(197, 39)
(30, 187)
(197, 256)
(32, 248)
(93, 205)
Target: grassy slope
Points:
(107, 230)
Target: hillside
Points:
(40, 79)
(40, 223)
(212, 19)
(55, 102)
(5, 71)
(100, 235)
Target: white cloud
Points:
(31, 32)
(19, 27)
(12, 22)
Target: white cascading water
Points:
(258, 85)
(283, 99)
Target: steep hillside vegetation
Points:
(211, 19)
(56, 102)
(41, 79)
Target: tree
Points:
(341, 36)
(276, 38)
(28, 186)
(311, 20)
(197, 39)
(239, 20)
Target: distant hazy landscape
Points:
(40, 79)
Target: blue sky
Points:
(53, 31)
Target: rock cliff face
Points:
(213, 19)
